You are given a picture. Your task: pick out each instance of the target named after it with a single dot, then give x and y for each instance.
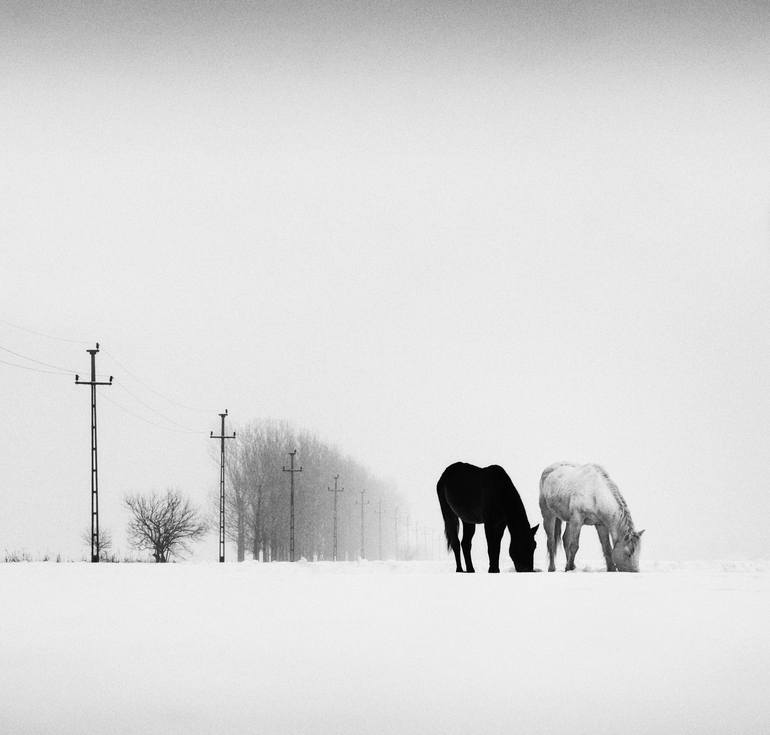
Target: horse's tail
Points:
(450, 519)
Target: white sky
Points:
(429, 234)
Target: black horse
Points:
(485, 495)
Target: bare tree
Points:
(163, 524)
(257, 497)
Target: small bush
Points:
(11, 557)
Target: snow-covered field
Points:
(382, 648)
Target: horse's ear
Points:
(639, 535)
(534, 530)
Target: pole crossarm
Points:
(94, 458)
(222, 436)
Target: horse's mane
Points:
(625, 522)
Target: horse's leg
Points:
(571, 542)
(468, 530)
(604, 538)
(494, 535)
(549, 524)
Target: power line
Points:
(147, 421)
(34, 370)
(155, 411)
(38, 362)
(60, 370)
(152, 390)
(43, 334)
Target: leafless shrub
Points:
(17, 556)
(163, 524)
(105, 547)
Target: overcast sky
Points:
(427, 231)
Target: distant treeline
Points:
(257, 499)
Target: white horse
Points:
(585, 494)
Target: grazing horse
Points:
(585, 494)
(485, 495)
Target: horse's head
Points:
(626, 552)
(522, 550)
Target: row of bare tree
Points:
(257, 498)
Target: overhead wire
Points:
(153, 409)
(60, 370)
(146, 420)
(152, 390)
(37, 362)
(34, 369)
(43, 334)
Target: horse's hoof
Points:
(494, 571)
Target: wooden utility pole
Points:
(335, 491)
(363, 503)
(94, 464)
(222, 436)
(291, 470)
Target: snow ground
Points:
(390, 647)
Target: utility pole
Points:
(395, 548)
(379, 528)
(291, 470)
(335, 491)
(256, 505)
(94, 465)
(363, 503)
(406, 546)
(348, 530)
(222, 436)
